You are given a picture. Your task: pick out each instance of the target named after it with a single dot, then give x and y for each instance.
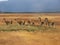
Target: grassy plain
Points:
(49, 36)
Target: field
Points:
(15, 34)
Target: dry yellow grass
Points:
(31, 38)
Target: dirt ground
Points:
(31, 38)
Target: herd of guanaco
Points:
(46, 22)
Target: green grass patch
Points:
(16, 27)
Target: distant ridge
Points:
(29, 12)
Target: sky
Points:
(3, 0)
(30, 5)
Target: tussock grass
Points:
(17, 27)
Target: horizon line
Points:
(29, 12)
